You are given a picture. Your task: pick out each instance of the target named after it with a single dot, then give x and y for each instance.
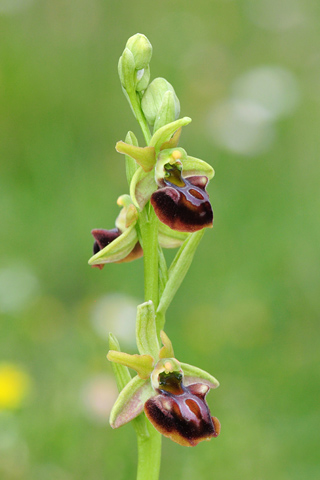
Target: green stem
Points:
(149, 232)
(149, 455)
(135, 103)
(149, 447)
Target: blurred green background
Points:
(248, 73)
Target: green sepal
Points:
(167, 350)
(142, 187)
(165, 133)
(169, 238)
(194, 167)
(142, 364)
(121, 372)
(144, 156)
(166, 112)
(146, 333)
(196, 375)
(118, 249)
(131, 164)
(123, 377)
(130, 401)
(126, 69)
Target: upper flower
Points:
(172, 394)
(173, 181)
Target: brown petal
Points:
(185, 208)
(184, 418)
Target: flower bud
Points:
(155, 102)
(126, 69)
(141, 49)
(142, 79)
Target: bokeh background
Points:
(248, 73)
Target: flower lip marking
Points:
(182, 203)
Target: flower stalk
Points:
(168, 207)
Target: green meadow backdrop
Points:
(248, 73)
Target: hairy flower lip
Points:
(184, 417)
(186, 208)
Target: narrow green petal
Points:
(165, 133)
(194, 166)
(130, 401)
(196, 375)
(167, 349)
(142, 187)
(118, 249)
(146, 333)
(142, 364)
(173, 141)
(144, 156)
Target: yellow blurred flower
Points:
(14, 386)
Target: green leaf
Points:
(178, 269)
(130, 401)
(196, 375)
(146, 334)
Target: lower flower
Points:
(172, 395)
(181, 413)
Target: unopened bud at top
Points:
(141, 49)
(160, 104)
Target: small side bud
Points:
(141, 50)
(142, 79)
(155, 102)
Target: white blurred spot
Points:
(273, 88)
(115, 313)
(276, 14)
(14, 6)
(241, 126)
(98, 396)
(18, 287)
